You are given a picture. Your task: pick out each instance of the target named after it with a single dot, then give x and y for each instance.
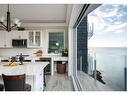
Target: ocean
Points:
(111, 63)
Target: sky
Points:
(110, 26)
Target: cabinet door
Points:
(2, 39)
(19, 34)
(8, 39)
(15, 35)
(39, 81)
(5, 39)
(23, 34)
(37, 38)
(34, 39)
(31, 38)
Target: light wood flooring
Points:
(58, 82)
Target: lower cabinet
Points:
(39, 81)
(36, 81)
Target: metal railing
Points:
(125, 73)
(90, 30)
(92, 66)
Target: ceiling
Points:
(36, 13)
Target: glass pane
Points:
(82, 64)
(37, 38)
(56, 42)
(31, 38)
(111, 64)
(108, 42)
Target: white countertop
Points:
(38, 57)
(28, 68)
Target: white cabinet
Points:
(5, 39)
(8, 39)
(19, 34)
(34, 39)
(36, 81)
(39, 81)
(2, 39)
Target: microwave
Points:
(20, 43)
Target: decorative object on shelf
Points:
(38, 52)
(20, 28)
(7, 26)
(65, 52)
(12, 64)
(13, 59)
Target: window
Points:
(82, 64)
(56, 42)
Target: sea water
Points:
(111, 63)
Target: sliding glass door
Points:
(82, 64)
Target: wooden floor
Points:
(58, 82)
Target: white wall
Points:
(74, 15)
(70, 52)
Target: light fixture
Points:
(57, 44)
(7, 25)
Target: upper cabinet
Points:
(2, 39)
(19, 34)
(5, 40)
(34, 39)
(6, 37)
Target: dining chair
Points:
(15, 83)
(1, 87)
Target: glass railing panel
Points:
(112, 69)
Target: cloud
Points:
(116, 27)
(110, 26)
(107, 18)
(112, 11)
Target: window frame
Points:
(55, 31)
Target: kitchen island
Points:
(34, 73)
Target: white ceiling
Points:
(36, 13)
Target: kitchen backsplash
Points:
(17, 51)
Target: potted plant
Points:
(65, 52)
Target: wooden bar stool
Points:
(15, 83)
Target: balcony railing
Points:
(113, 69)
(90, 30)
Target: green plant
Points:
(65, 52)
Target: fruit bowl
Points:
(12, 64)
